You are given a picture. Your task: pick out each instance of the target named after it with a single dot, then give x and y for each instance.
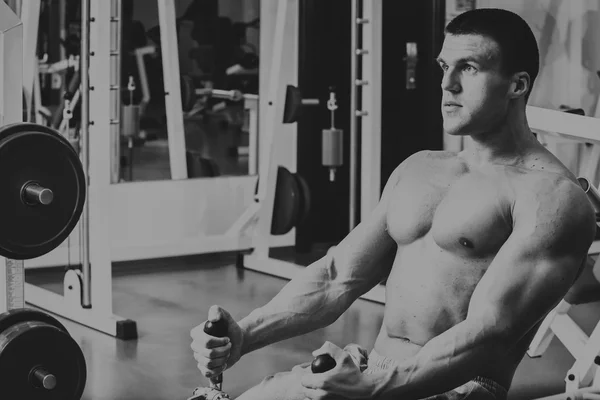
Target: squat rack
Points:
(88, 292)
(133, 210)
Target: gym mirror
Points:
(217, 47)
(216, 43)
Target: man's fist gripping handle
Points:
(216, 329)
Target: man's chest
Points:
(468, 214)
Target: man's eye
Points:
(444, 67)
(469, 68)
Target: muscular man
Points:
(477, 247)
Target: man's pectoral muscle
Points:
(530, 274)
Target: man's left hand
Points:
(345, 381)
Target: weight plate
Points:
(19, 315)
(305, 198)
(29, 346)
(34, 153)
(286, 208)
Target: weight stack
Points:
(333, 148)
(130, 117)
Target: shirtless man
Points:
(477, 247)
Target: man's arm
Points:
(531, 273)
(321, 293)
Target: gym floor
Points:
(168, 297)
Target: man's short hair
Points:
(518, 47)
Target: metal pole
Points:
(62, 15)
(86, 301)
(353, 117)
(115, 88)
(356, 25)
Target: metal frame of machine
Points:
(128, 205)
(11, 90)
(114, 206)
(86, 300)
(368, 25)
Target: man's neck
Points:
(507, 144)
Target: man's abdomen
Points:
(427, 292)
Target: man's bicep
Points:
(533, 270)
(520, 288)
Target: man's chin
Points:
(455, 131)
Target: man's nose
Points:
(450, 81)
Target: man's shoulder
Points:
(552, 198)
(546, 184)
(428, 157)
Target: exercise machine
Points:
(221, 214)
(366, 116)
(121, 222)
(42, 198)
(86, 300)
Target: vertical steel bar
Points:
(86, 301)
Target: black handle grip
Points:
(217, 328)
(322, 363)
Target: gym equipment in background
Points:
(332, 141)
(42, 196)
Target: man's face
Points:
(474, 91)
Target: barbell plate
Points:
(16, 316)
(286, 208)
(29, 346)
(305, 199)
(31, 153)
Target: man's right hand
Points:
(213, 354)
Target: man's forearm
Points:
(444, 363)
(312, 300)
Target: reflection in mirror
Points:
(217, 43)
(51, 59)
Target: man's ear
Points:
(519, 85)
